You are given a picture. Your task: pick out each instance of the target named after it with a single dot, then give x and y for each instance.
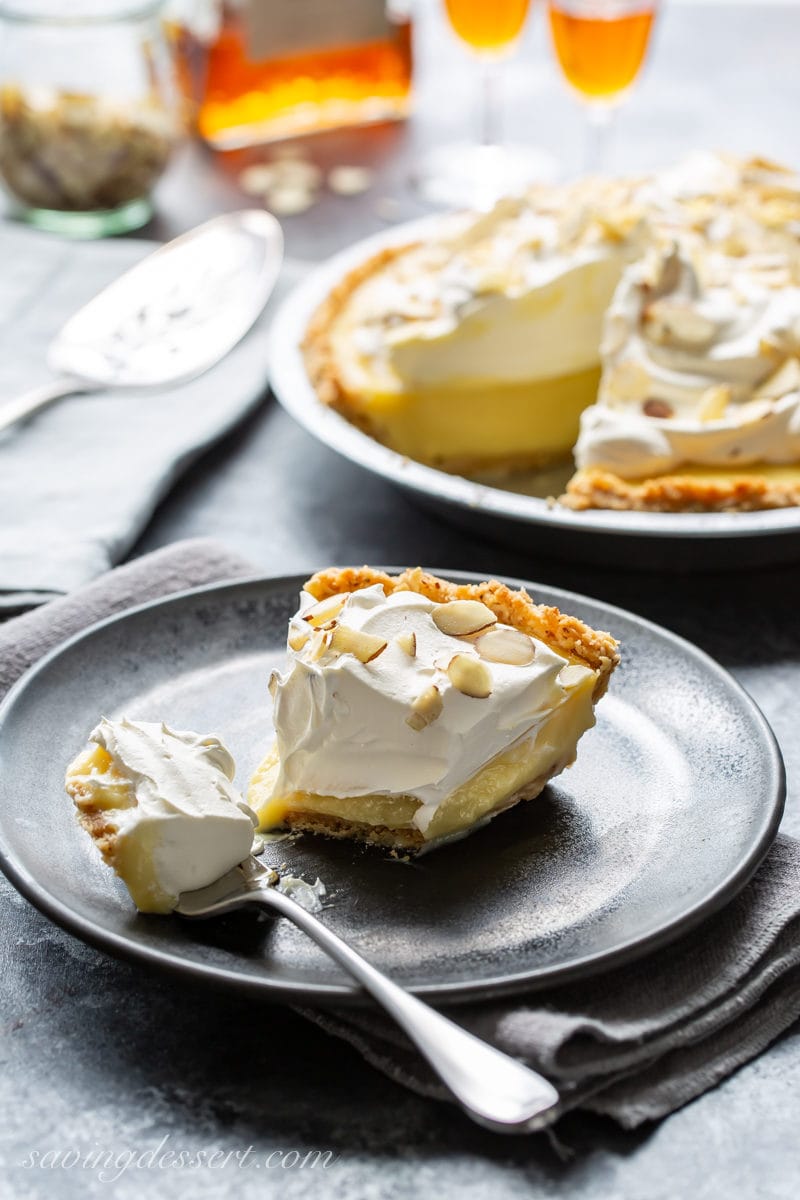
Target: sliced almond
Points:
(572, 674)
(470, 676)
(350, 181)
(298, 638)
(752, 411)
(662, 410)
(272, 686)
(296, 172)
(677, 321)
(289, 199)
(459, 618)
(319, 644)
(407, 642)
(363, 646)
(713, 402)
(620, 225)
(325, 611)
(786, 379)
(425, 709)
(257, 178)
(626, 380)
(510, 646)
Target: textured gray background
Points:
(98, 1056)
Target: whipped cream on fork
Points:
(174, 820)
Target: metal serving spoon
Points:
(169, 318)
(494, 1089)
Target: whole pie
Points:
(648, 326)
(414, 710)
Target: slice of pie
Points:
(413, 710)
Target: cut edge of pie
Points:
(317, 346)
(450, 412)
(568, 636)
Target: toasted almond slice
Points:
(407, 642)
(786, 379)
(298, 638)
(296, 172)
(289, 199)
(325, 611)
(462, 617)
(626, 380)
(767, 348)
(319, 644)
(752, 411)
(470, 676)
(510, 646)
(425, 709)
(363, 646)
(257, 178)
(572, 674)
(713, 402)
(669, 320)
(350, 181)
(662, 410)
(272, 686)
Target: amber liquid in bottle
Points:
(600, 56)
(249, 100)
(487, 26)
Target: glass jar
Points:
(89, 111)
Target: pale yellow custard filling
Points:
(777, 472)
(130, 855)
(469, 427)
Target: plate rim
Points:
(289, 383)
(128, 948)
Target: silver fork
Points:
(494, 1089)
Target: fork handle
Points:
(38, 398)
(496, 1090)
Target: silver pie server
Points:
(497, 1091)
(169, 318)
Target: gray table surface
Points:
(98, 1056)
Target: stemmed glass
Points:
(479, 173)
(600, 46)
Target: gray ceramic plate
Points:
(674, 800)
(516, 512)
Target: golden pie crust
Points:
(566, 635)
(318, 355)
(728, 492)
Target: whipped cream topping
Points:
(519, 293)
(178, 805)
(701, 366)
(486, 301)
(342, 724)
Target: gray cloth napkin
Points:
(25, 639)
(640, 1041)
(634, 1043)
(79, 481)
